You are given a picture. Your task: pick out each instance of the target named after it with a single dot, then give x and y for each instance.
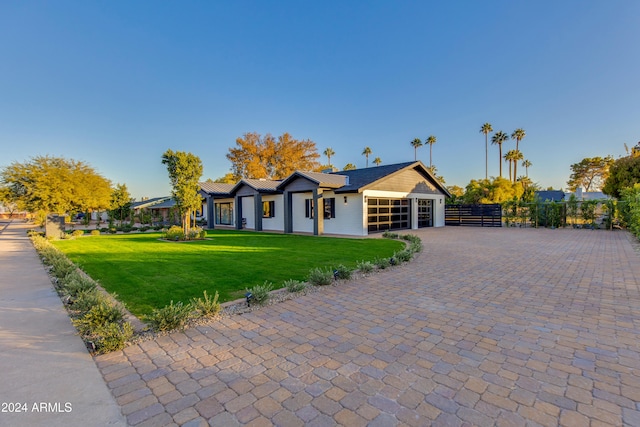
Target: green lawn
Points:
(148, 273)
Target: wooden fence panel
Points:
(473, 215)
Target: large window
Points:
(268, 209)
(388, 214)
(425, 213)
(224, 213)
(328, 208)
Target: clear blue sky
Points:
(116, 83)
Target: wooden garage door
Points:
(388, 214)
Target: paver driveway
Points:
(486, 327)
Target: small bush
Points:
(390, 235)
(403, 256)
(175, 233)
(145, 228)
(112, 230)
(75, 284)
(95, 232)
(77, 233)
(320, 277)
(261, 292)
(295, 285)
(111, 336)
(61, 266)
(102, 313)
(85, 300)
(365, 267)
(383, 263)
(415, 247)
(206, 306)
(411, 238)
(172, 316)
(342, 272)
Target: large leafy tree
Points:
(590, 173)
(498, 139)
(518, 135)
(366, 153)
(486, 129)
(623, 173)
(416, 143)
(120, 202)
(431, 140)
(185, 170)
(267, 157)
(47, 184)
(497, 190)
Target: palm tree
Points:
(517, 156)
(518, 135)
(509, 158)
(377, 161)
(526, 165)
(431, 140)
(366, 153)
(416, 143)
(329, 152)
(486, 128)
(498, 138)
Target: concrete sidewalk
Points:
(47, 372)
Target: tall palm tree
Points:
(517, 156)
(431, 140)
(416, 143)
(486, 129)
(498, 138)
(366, 153)
(509, 158)
(377, 161)
(329, 152)
(526, 165)
(518, 135)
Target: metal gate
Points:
(473, 215)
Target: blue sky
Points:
(116, 83)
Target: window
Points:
(224, 213)
(268, 209)
(328, 206)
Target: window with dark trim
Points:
(329, 208)
(268, 209)
(308, 208)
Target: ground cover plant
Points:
(148, 273)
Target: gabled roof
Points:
(360, 179)
(260, 185)
(169, 203)
(325, 180)
(149, 202)
(216, 187)
(551, 195)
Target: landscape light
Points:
(249, 297)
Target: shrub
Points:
(411, 238)
(112, 230)
(295, 285)
(365, 266)
(415, 247)
(403, 256)
(75, 284)
(342, 272)
(206, 306)
(111, 336)
(145, 228)
(85, 300)
(100, 314)
(172, 316)
(95, 232)
(174, 233)
(320, 277)
(261, 292)
(61, 266)
(390, 235)
(382, 263)
(77, 233)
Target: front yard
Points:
(149, 273)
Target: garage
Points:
(388, 214)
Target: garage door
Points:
(388, 214)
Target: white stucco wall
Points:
(438, 204)
(277, 222)
(248, 212)
(300, 223)
(349, 219)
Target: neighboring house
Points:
(587, 195)
(355, 202)
(147, 203)
(550, 195)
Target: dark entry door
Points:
(425, 213)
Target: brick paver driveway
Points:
(487, 327)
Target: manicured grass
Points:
(149, 273)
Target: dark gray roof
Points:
(148, 202)
(265, 185)
(325, 180)
(164, 205)
(551, 195)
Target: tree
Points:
(509, 158)
(498, 190)
(434, 172)
(623, 173)
(590, 173)
(329, 152)
(518, 135)
(498, 139)
(185, 170)
(366, 152)
(431, 140)
(377, 161)
(228, 178)
(486, 129)
(349, 167)
(257, 157)
(527, 164)
(120, 202)
(416, 143)
(48, 184)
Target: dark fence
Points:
(473, 215)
